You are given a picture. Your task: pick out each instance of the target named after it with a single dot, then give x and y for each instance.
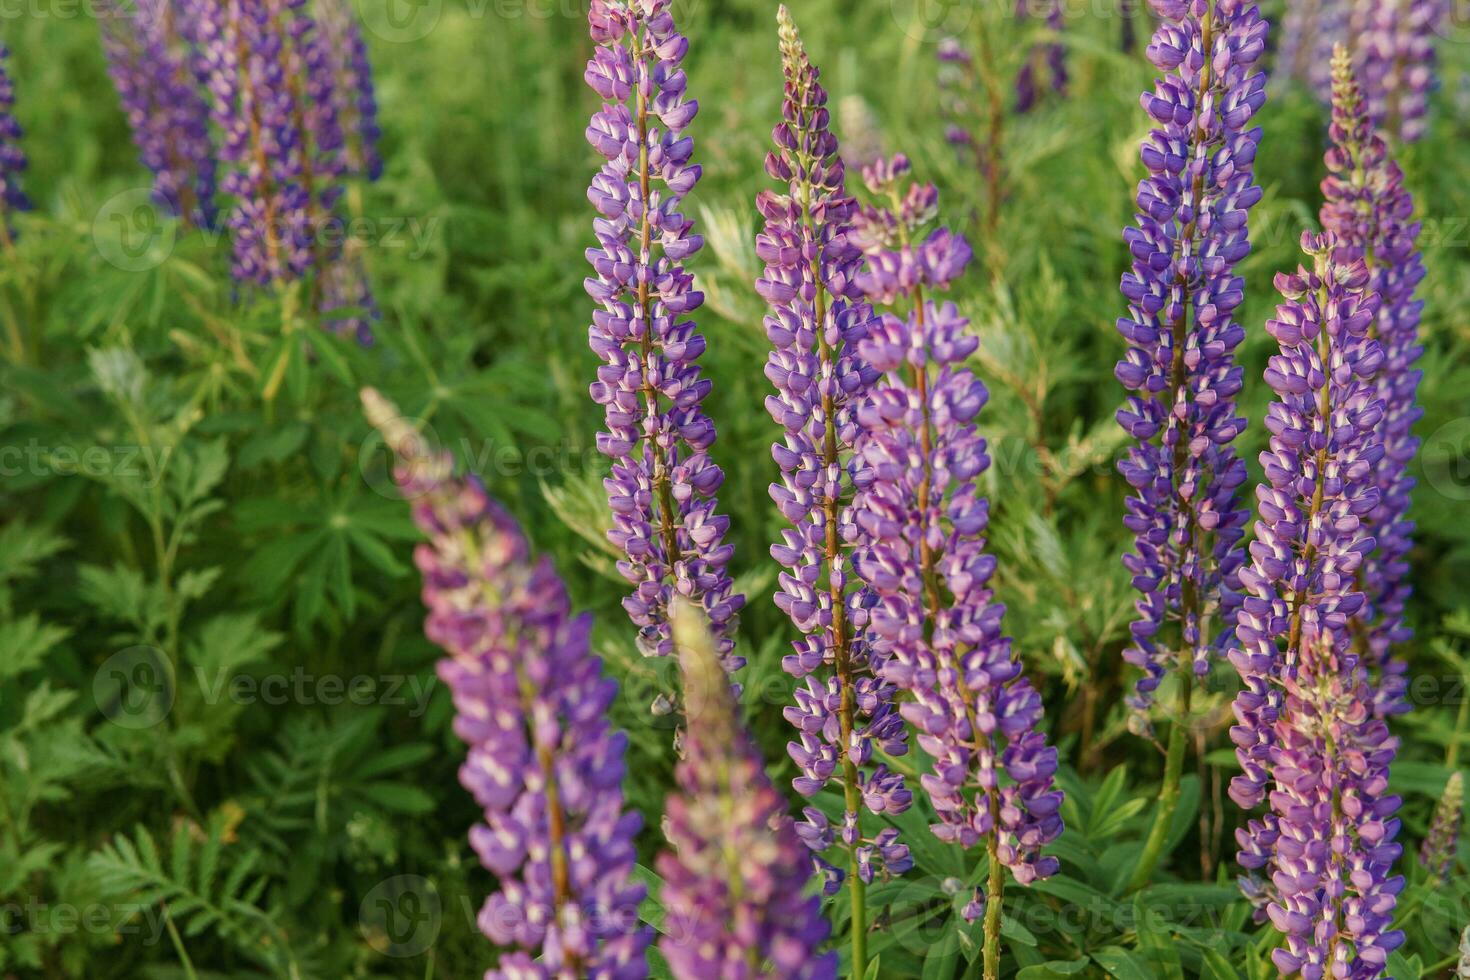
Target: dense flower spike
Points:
(1190, 232)
(663, 483)
(12, 158)
(1309, 29)
(736, 877)
(151, 65)
(1372, 214)
(818, 317)
(1440, 850)
(1307, 731)
(531, 703)
(354, 96)
(1393, 42)
(936, 624)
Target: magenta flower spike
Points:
(1366, 205)
(935, 624)
(531, 703)
(1308, 739)
(663, 484)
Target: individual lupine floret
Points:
(1440, 849)
(736, 877)
(355, 96)
(1368, 208)
(12, 157)
(1190, 231)
(663, 483)
(530, 701)
(151, 65)
(1393, 43)
(1307, 738)
(818, 317)
(935, 623)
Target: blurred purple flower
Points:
(12, 157)
(735, 879)
(531, 703)
(1440, 851)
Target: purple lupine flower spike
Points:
(151, 65)
(936, 625)
(246, 56)
(1393, 41)
(1440, 850)
(663, 483)
(1307, 737)
(1368, 208)
(736, 877)
(818, 317)
(531, 702)
(354, 94)
(1182, 291)
(1309, 30)
(1052, 54)
(12, 157)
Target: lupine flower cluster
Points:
(12, 157)
(736, 876)
(935, 623)
(151, 65)
(1052, 55)
(353, 94)
(818, 317)
(1440, 850)
(1394, 44)
(1309, 30)
(1371, 213)
(1191, 230)
(1308, 739)
(663, 482)
(531, 702)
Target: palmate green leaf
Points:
(1121, 964)
(23, 547)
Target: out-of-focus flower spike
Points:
(12, 157)
(1440, 850)
(531, 703)
(354, 94)
(736, 878)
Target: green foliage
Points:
(202, 554)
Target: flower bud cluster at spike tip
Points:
(935, 624)
(663, 483)
(736, 876)
(531, 703)
(1307, 738)
(818, 317)
(1372, 214)
(1440, 850)
(354, 95)
(152, 68)
(12, 158)
(1394, 44)
(1189, 233)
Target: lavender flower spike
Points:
(531, 702)
(355, 98)
(151, 66)
(1394, 44)
(1307, 731)
(1190, 233)
(737, 875)
(12, 158)
(1440, 850)
(663, 483)
(935, 623)
(818, 317)
(1367, 206)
